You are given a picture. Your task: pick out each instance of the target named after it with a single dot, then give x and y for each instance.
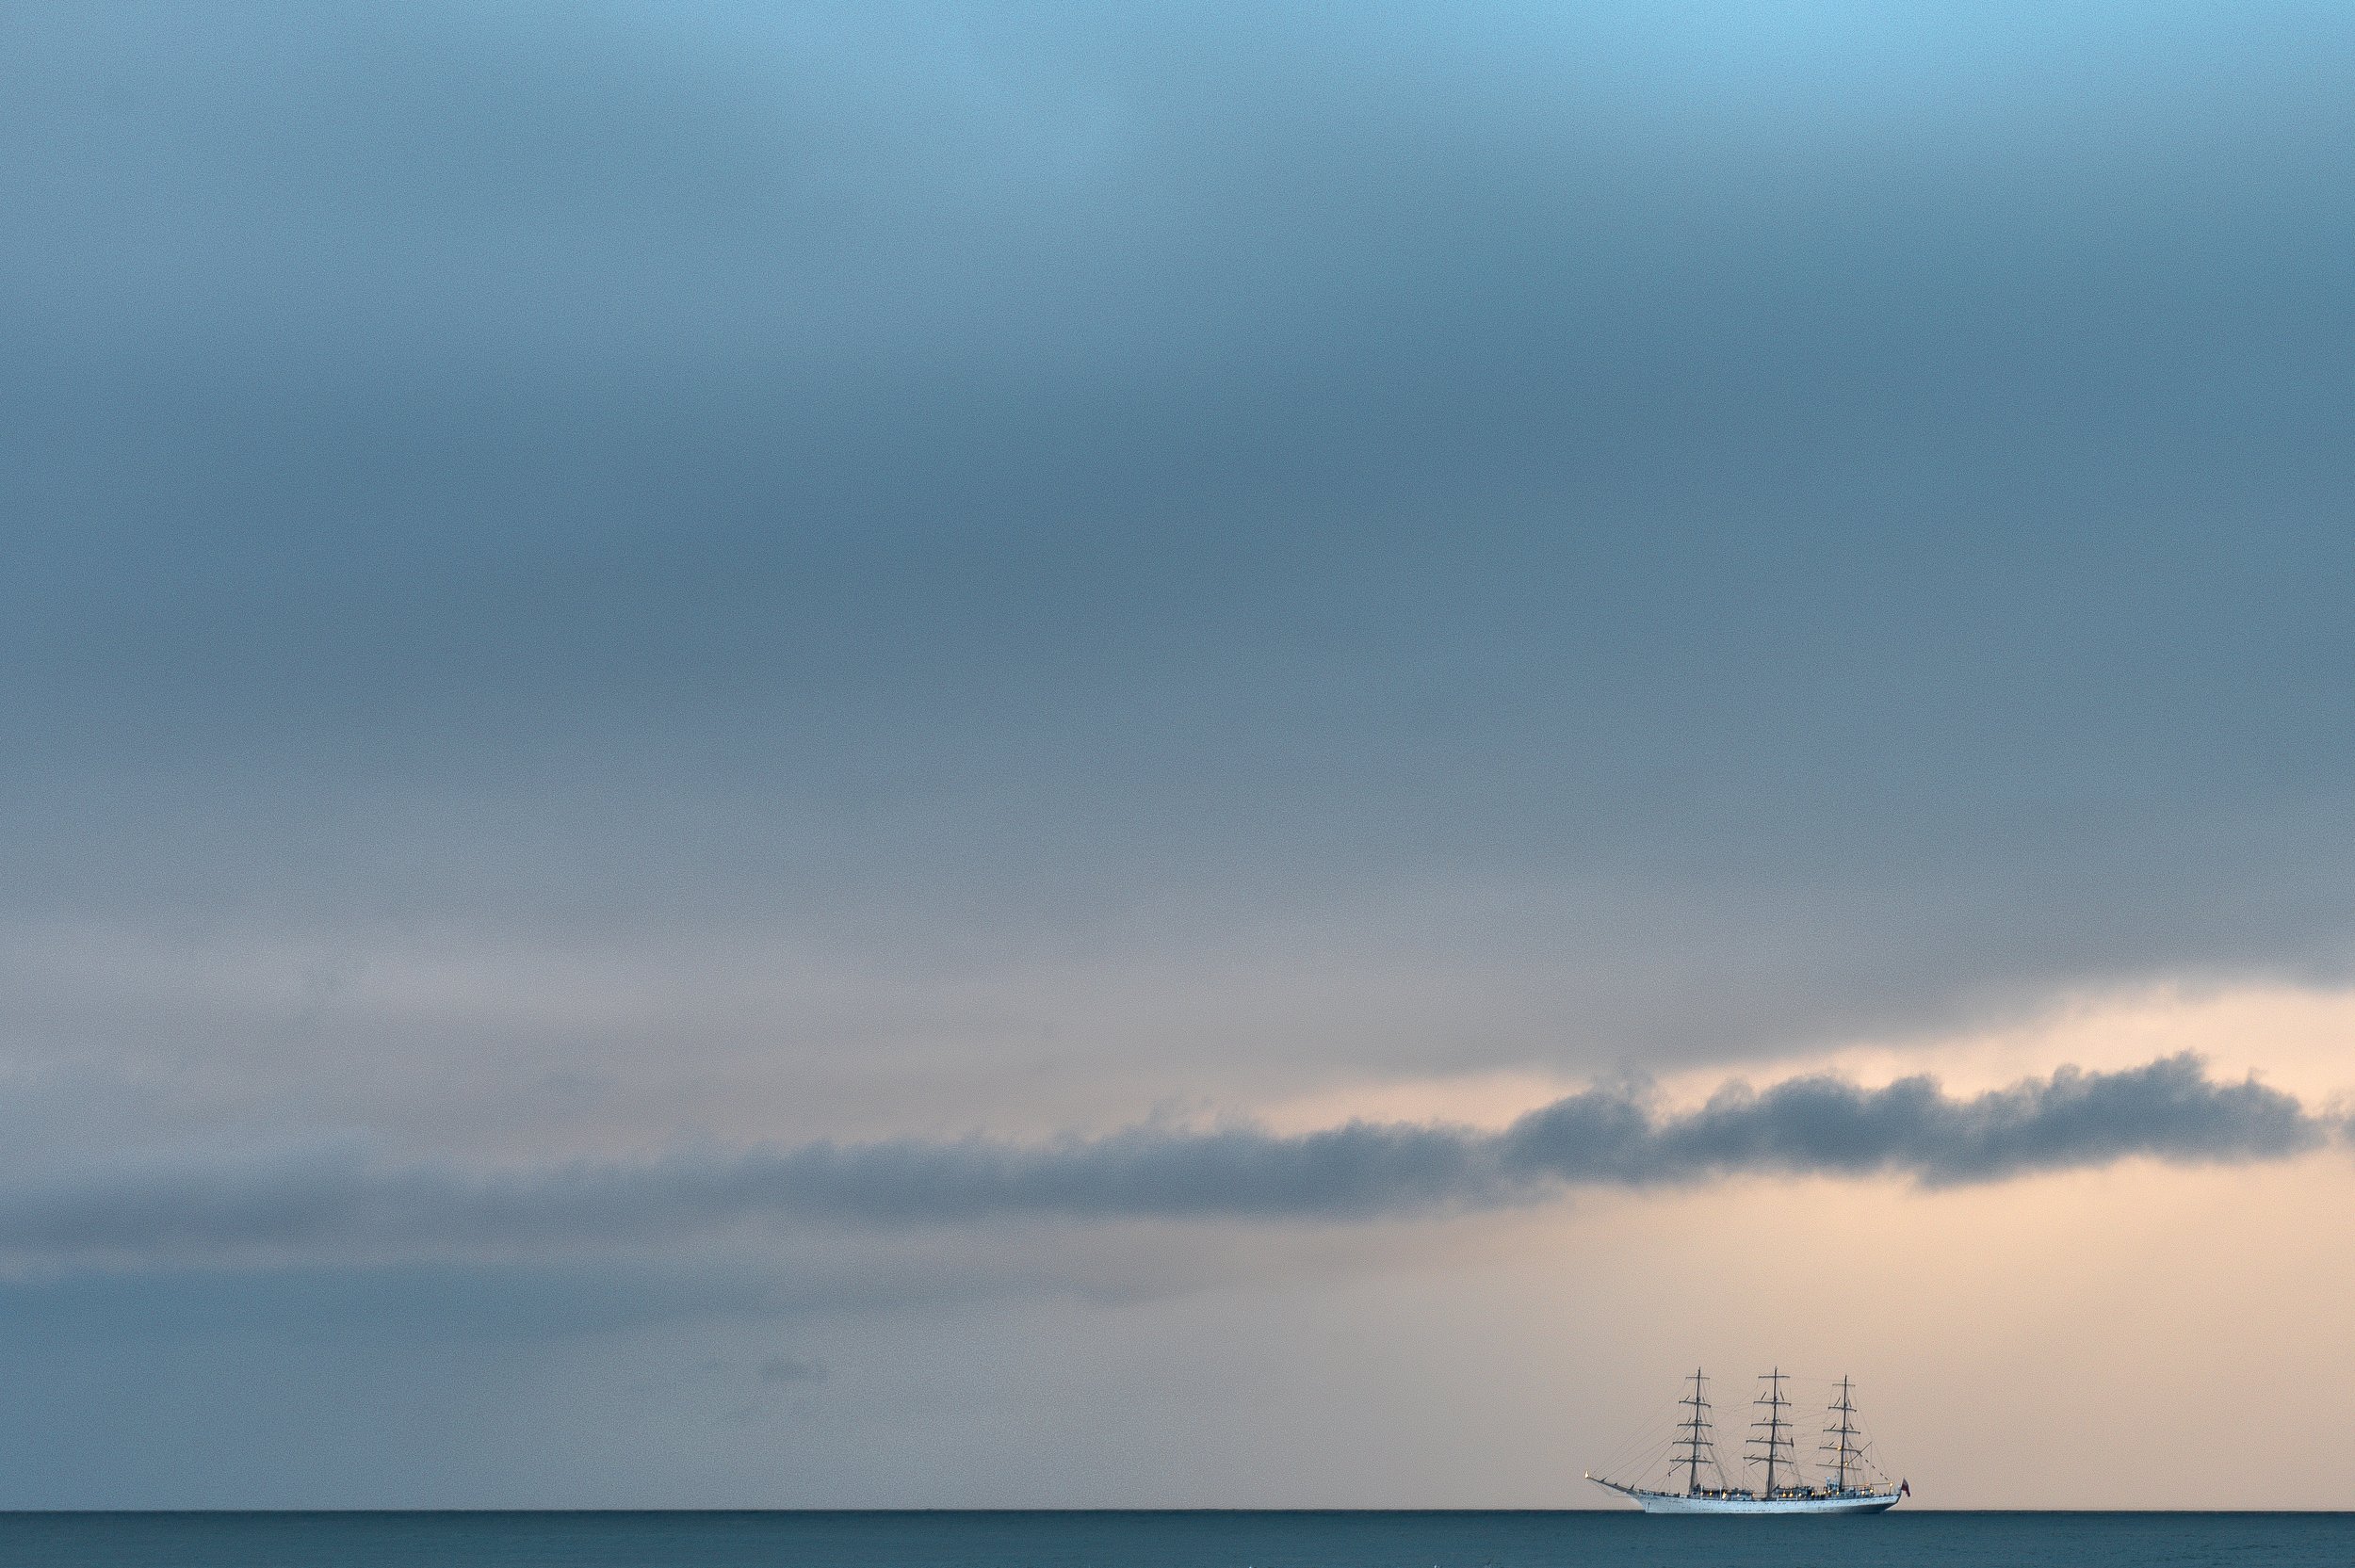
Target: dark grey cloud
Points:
(788, 1369)
(839, 470)
(2168, 1110)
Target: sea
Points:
(1168, 1540)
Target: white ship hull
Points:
(1680, 1502)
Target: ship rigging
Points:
(1850, 1482)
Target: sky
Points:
(1052, 755)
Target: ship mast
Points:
(1767, 1431)
(1696, 1441)
(1842, 1433)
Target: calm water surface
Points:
(1190, 1539)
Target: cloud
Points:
(338, 1199)
(568, 463)
(2167, 1109)
(785, 1369)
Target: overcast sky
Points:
(1029, 753)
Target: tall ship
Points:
(1772, 1480)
